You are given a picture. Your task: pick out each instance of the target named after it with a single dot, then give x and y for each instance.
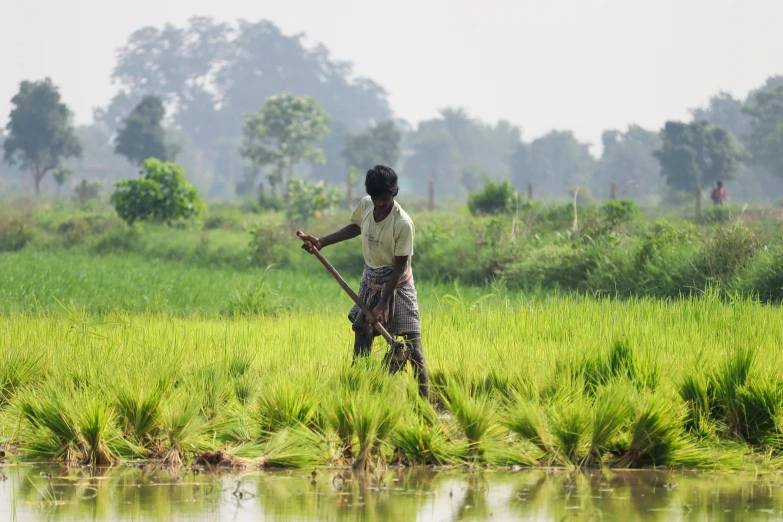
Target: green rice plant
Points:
(54, 420)
(421, 409)
(760, 401)
(621, 362)
(749, 405)
(211, 384)
(97, 433)
(283, 403)
(507, 453)
(528, 419)
(244, 388)
(697, 391)
(138, 407)
(373, 419)
(475, 415)
(239, 427)
(17, 368)
(288, 448)
(240, 364)
(655, 435)
(366, 374)
(611, 411)
(182, 427)
(294, 448)
(424, 444)
(335, 414)
(569, 420)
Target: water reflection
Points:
(149, 493)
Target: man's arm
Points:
(400, 264)
(344, 234)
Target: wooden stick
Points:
(363, 307)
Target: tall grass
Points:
(576, 381)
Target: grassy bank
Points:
(612, 251)
(567, 381)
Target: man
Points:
(387, 284)
(718, 195)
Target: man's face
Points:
(383, 203)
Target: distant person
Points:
(718, 195)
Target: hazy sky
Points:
(587, 65)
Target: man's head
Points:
(381, 185)
(720, 184)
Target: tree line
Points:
(242, 104)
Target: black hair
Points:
(381, 182)
(720, 183)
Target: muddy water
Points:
(46, 493)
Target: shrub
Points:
(729, 250)
(495, 198)
(716, 214)
(123, 239)
(160, 195)
(305, 200)
(271, 246)
(14, 234)
(617, 212)
(74, 232)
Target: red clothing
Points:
(718, 195)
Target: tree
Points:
(61, 175)
(306, 200)
(474, 177)
(435, 158)
(211, 74)
(696, 153)
(495, 198)
(143, 136)
(553, 162)
(40, 130)
(282, 133)
(627, 161)
(766, 137)
(160, 195)
(380, 145)
(725, 111)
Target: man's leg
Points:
(413, 340)
(361, 346)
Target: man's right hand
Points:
(312, 244)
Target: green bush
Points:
(14, 234)
(729, 250)
(617, 212)
(716, 214)
(161, 195)
(74, 232)
(271, 245)
(305, 200)
(122, 239)
(495, 198)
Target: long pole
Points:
(363, 307)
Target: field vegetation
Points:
(611, 340)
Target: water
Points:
(52, 493)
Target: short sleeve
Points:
(358, 213)
(403, 239)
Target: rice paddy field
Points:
(110, 360)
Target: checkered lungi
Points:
(404, 316)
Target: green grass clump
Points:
(475, 415)
(285, 404)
